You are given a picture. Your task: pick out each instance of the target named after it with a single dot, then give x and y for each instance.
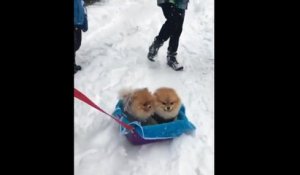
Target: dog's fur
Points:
(167, 103)
(138, 103)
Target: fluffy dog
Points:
(139, 104)
(167, 105)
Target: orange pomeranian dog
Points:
(139, 104)
(167, 105)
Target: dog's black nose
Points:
(168, 108)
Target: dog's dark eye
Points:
(164, 103)
(171, 103)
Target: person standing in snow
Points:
(174, 11)
(80, 24)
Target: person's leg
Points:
(77, 44)
(178, 18)
(77, 39)
(168, 27)
(164, 32)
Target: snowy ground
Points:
(113, 56)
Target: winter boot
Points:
(172, 61)
(153, 49)
(76, 68)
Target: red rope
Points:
(85, 99)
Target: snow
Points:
(113, 56)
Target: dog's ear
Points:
(127, 103)
(124, 93)
(144, 89)
(129, 100)
(156, 93)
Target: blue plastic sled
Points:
(153, 133)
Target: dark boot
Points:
(153, 49)
(172, 61)
(76, 68)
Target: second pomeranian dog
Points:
(139, 104)
(167, 105)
